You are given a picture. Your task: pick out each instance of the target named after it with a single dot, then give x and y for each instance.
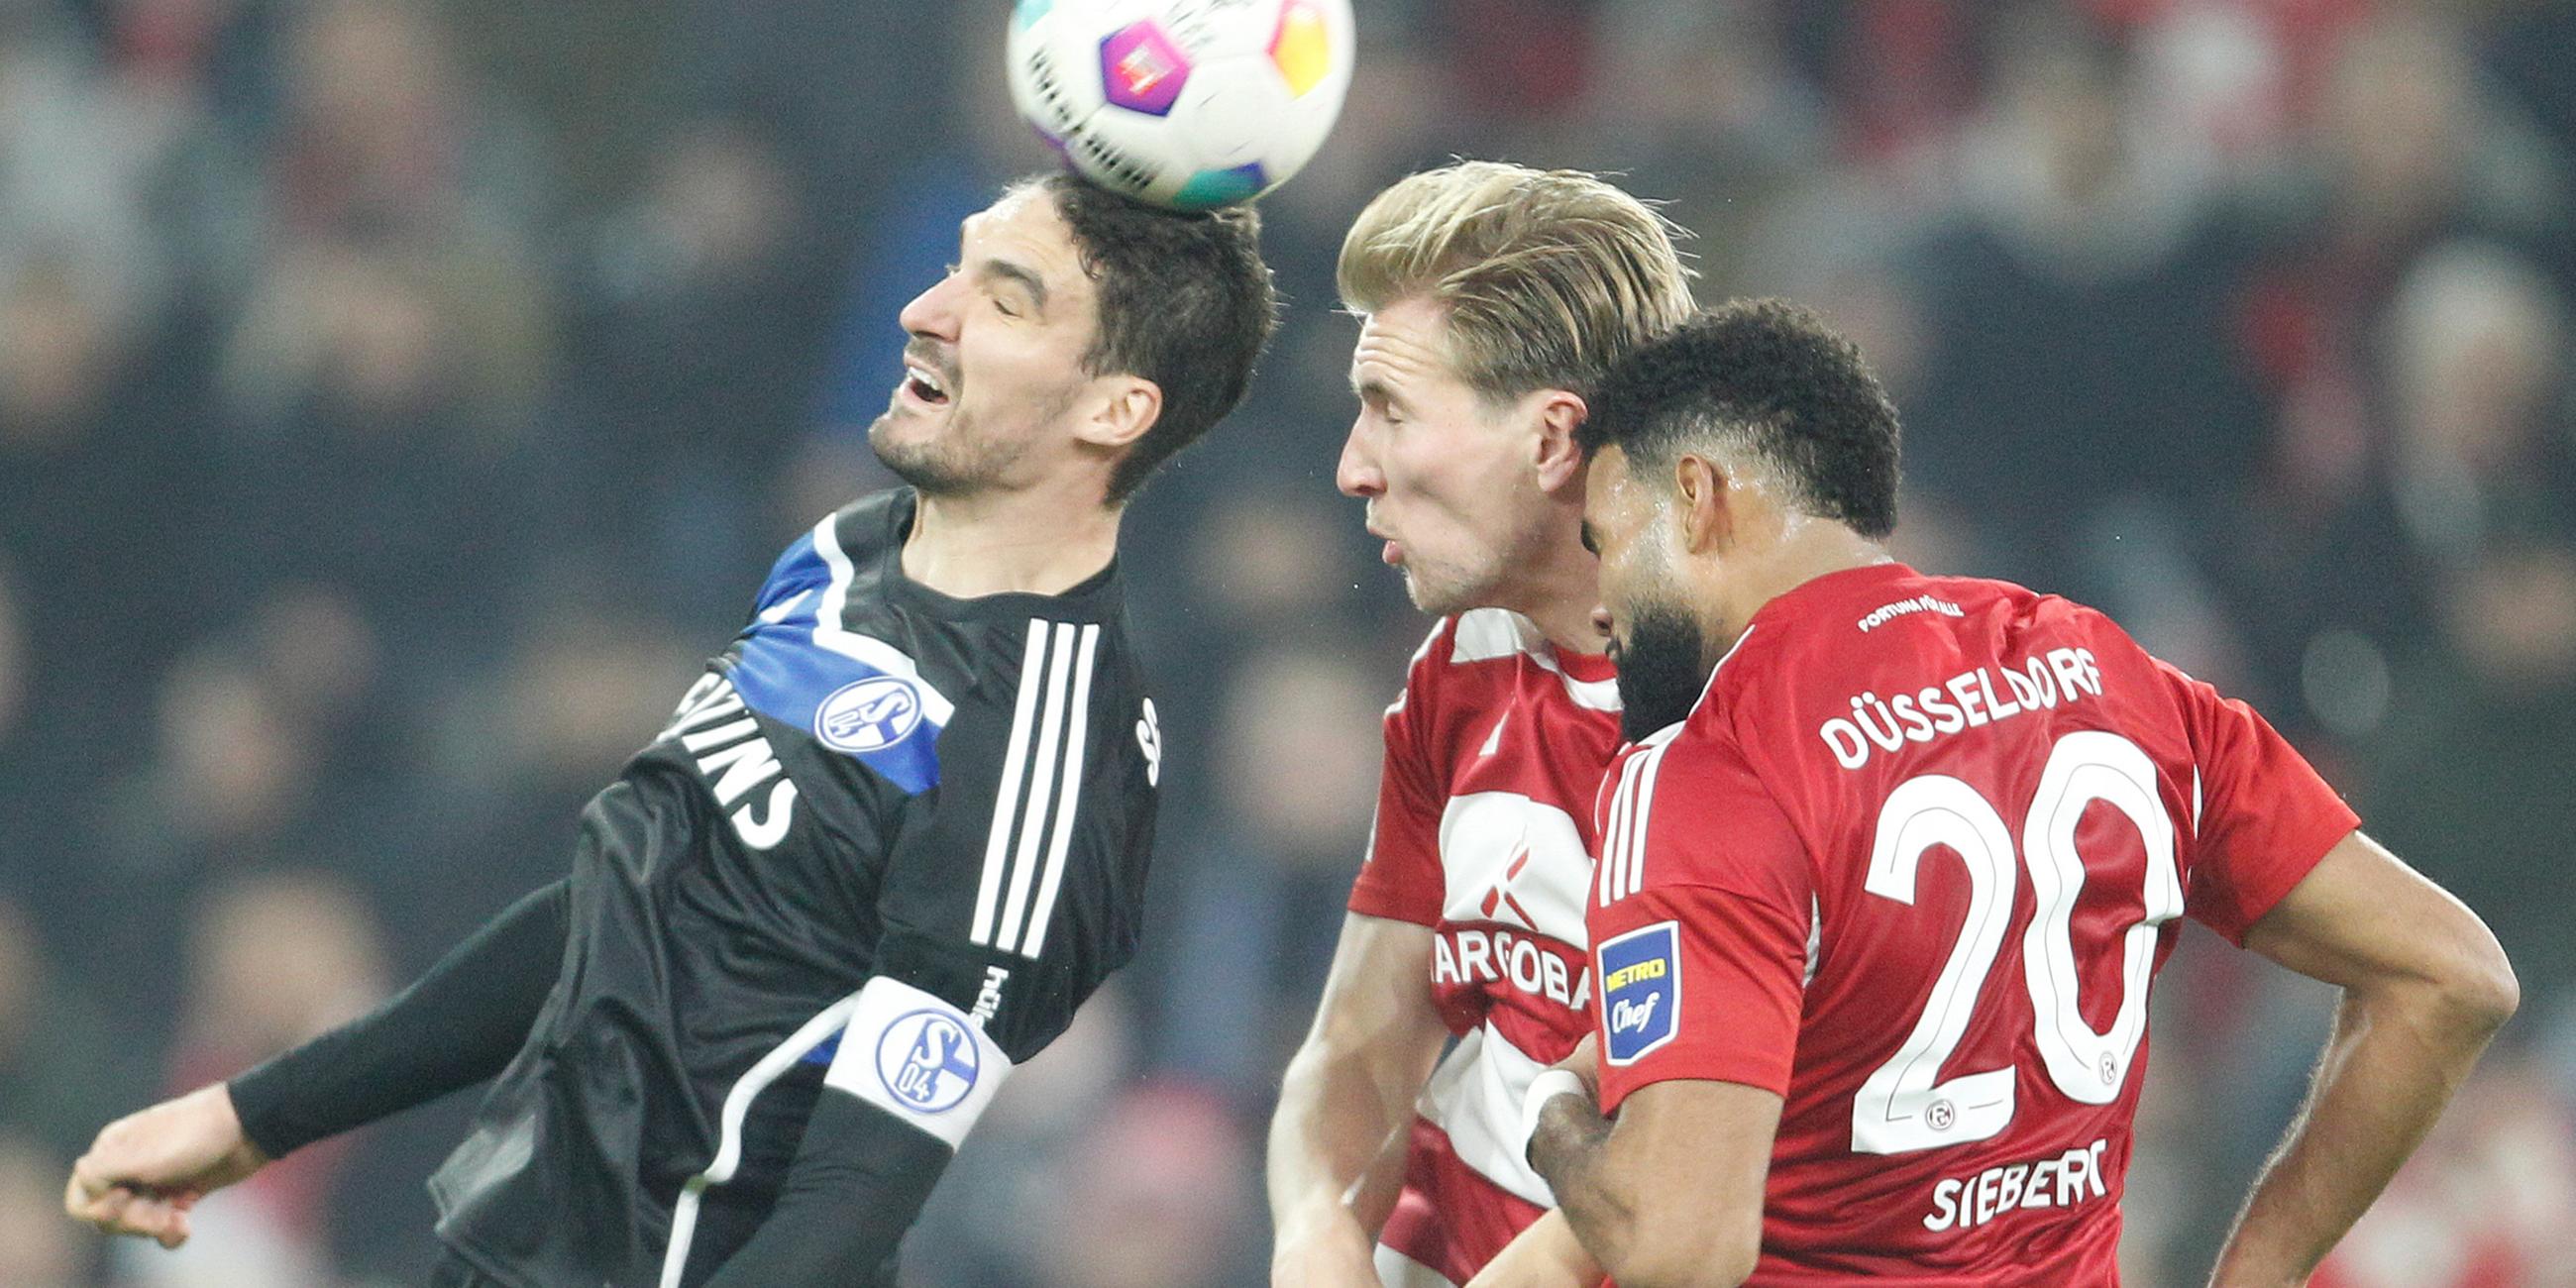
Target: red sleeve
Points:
(1401, 876)
(1699, 925)
(2262, 817)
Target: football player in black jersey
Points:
(888, 842)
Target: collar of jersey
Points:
(1094, 598)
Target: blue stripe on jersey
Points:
(824, 1050)
(876, 718)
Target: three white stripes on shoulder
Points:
(1043, 763)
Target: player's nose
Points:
(933, 312)
(1601, 620)
(1356, 474)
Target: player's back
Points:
(2000, 798)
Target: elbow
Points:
(2466, 993)
(2482, 991)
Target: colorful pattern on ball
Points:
(1142, 70)
(1209, 189)
(1302, 48)
(1186, 104)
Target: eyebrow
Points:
(1372, 390)
(1025, 277)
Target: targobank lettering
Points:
(1536, 966)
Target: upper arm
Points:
(2362, 919)
(1401, 876)
(1693, 1156)
(1700, 928)
(1011, 884)
(2260, 816)
(1013, 887)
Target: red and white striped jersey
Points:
(1494, 756)
(1912, 863)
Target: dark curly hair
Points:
(1767, 378)
(1185, 301)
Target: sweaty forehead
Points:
(1607, 491)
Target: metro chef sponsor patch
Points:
(1641, 991)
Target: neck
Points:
(1807, 549)
(1559, 593)
(1038, 542)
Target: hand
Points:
(1585, 1062)
(1331, 1253)
(147, 1170)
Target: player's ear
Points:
(1125, 407)
(1704, 505)
(1555, 454)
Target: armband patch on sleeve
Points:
(1641, 991)
(919, 1058)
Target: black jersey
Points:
(887, 844)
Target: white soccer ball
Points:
(1189, 104)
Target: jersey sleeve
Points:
(1700, 923)
(1401, 877)
(2262, 816)
(1013, 886)
(456, 1026)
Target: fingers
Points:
(118, 1209)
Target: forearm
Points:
(859, 1181)
(1571, 1149)
(1331, 1133)
(455, 1026)
(2393, 1062)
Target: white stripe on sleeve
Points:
(1068, 795)
(997, 844)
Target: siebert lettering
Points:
(1963, 1202)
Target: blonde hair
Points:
(1548, 276)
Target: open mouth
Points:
(924, 384)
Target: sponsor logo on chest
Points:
(1514, 861)
(1516, 873)
(1492, 957)
(725, 743)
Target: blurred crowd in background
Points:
(400, 398)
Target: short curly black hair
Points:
(1185, 301)
(1768, 378)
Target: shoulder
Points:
(1476, 657)
(1423, 675)
(1684, 808)
(834, 551)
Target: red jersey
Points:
(1494, 756)
(1912, 863)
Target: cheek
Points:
(1449, 473)
(1628, 580)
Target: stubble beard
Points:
(952, 462)
(1446, 590)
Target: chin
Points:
(1443, 597)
